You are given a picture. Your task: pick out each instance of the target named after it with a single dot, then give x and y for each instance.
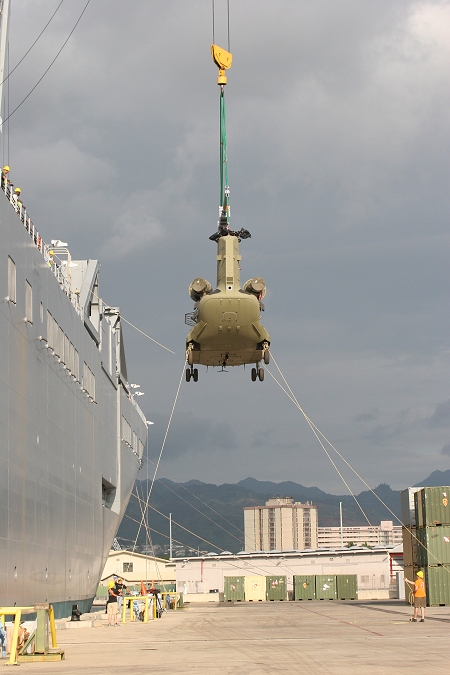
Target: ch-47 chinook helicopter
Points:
(226, 321)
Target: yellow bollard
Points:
(51, 616)
(13, 654)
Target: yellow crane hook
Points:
(223, 60)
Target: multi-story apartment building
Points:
(280, 525)
(384, 534)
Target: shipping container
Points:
(255, 588)
(325, 587)
(407, 506)
(234, 589)
(410, 573)
(304, 587)
(432, 506)
(437, 578)
(433, 545)
(346, 587)
(409, 536)
(276, 588)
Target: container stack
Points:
(432, 550)
(409, 534)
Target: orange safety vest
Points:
(419, 589)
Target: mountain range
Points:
(210, 517)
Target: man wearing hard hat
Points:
(420, 596)
(5, 172)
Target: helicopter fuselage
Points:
(228, 330)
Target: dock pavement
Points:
(321, 637)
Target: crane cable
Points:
(224, 188)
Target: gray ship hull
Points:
(72, 437)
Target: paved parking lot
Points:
(326, 637)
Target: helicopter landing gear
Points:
(191, 373)
(267, 357)
(257, 374)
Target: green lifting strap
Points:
(223, 157)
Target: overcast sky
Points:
(338, 146)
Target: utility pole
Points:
(340, 518)
(170, 536)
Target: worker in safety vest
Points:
(420, 596)
(16, 198)
(5, 172)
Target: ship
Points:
(72, 435)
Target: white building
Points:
(384, 534)
(136, 567)
(280, 525)
(376, 570)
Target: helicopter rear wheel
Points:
(261, 374)
(195, 375)
(267, 357)
(190, 358)
(188, 375)
(254, 373)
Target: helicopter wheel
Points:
(195, 375)
(188, 375)
(267, 357)
(190, 358)
(254, 373)
(261, 374)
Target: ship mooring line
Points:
(198, 510)
(29, 50)
(149, 538)
(203, 514)
(160, 454)
(51, 64)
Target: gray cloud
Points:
(446, 450)
(338, 133)
(441, 415)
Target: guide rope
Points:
(318, 433)
(160, 455)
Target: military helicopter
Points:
(226, 321)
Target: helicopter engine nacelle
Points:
(198, 288)
(255, 286)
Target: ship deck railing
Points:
(60, 268)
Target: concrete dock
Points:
(329, 637)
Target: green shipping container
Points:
(346, 587)
(432, 506)
(409, 536)
(234, 589)
(434, 546)
(276, 588)
(304, 587)
(437, 580)
(325, 587)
